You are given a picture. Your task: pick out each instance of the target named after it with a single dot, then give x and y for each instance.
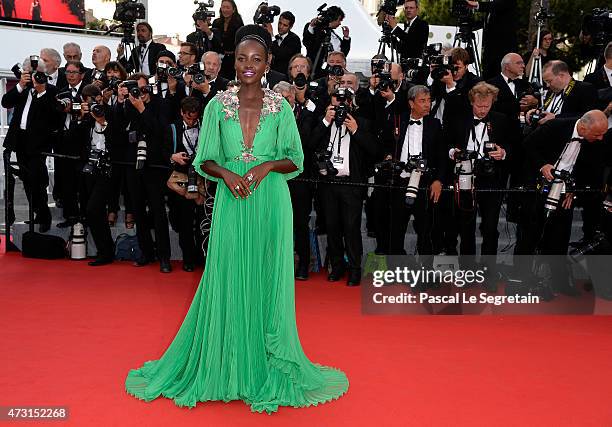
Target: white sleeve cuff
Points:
(42, 93)
(326, 123)
(451, 89)
(451, 153)
(19, 88)
(311, 29)
(310, 106)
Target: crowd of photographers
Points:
(438, 144)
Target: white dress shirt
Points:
(143, 55)
(73, 90)
(413, 143)
(568, 158)
(608, 74)
(98, 140)
(190, 136)
(53, 78)
(511, 85)
(340, 160)
(556, 104)
(26, 109)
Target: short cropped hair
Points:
(193, 49)
(91, 90)
(191, 104)
(483, 90)
(556, 67)
(417, 90)
(281, 87)
(460, 54)
(78, 64)
(288, 16)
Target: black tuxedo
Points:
(204, 44)
(582, 98)
(313, 42)
(218, 85)
(61, 78)
(134, 62)
(282, 54)
(38, 136)
(273, 77)
(456, 102)
(507, 102)
(343, 204)
(146, 185)
(458, 132)
(412, 42)
(600, 81)
(393, 213)
(544, 146)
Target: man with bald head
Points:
(572, 145)
(100, 56)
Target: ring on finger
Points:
(237, 187)
(250, 177)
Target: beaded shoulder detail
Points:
(272, 103)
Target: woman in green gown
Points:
(239, 340)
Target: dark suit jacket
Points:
(412, 42)
(283, 53)
(581, 99)
(434, 149)
(61, 77)
(154, 49)
(506, 102)
(500, 33)
(41, 122)
(227, 37)
(305, 121)
(545, 145)
(313, 42)
(598, 79)
(457, 135)
(204, 44)
(456, 102)
(219, 85)
(362, 148)
(275, 77)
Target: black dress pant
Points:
(35, 182)
(186, 217)
(67, 176)
(119, 187)
(97, 189)
(147, 188)
(301, 200)
(488, 207)
(343, 205)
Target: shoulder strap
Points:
(173, 137)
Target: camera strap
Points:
(143, 54)
(192, 145)
(557, 100)
(477, 142)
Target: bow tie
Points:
(143, 46)
(479, 121)
(580, 140)
(512, 81)
(414, 122)
(278, 37)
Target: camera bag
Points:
(42, 246)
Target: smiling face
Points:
(227, 9)
(251, 62)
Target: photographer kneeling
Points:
(95, 181)
(344, 143)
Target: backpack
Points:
(126, 248)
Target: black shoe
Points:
(188, 267)
(100, 261)
(301, 273)
(354, 279)
(335, 276)
(141, 262)
(164, 266)
(43, 228)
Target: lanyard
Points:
(477, 142)
(143, 55)
(186, 137)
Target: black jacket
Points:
(313, 42)
(305, 123)
(456, 102)
(282, 54)
(507, 103)
(412, 42)
(168, 146)
(204, 44)
(546, 143)
(228, 43)
(598, 79)
(362, 148)
(42, 120)
(582, 98)
(154, 50)
(219, 85)
(273, 77)
(434, 149)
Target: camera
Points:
(129, 11)
(385, 82)
(141, 154)
(192, 179)
(324, 164)
(133, 89)
(265, 14)
(464, 168)
(599, 25)
(324, 18)
(415, 69)
(300, 81)
(441, 66)
(535, 118)
(562, 179)
(380, 65)
(416, 167)
(202, 13)
(485, 166)
(343, 96)
(98, 161)
(335, 70)
(197, 71)
(38, 76)
(389, 7)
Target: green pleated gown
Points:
(239, 340)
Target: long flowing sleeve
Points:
(289, 145)
(209, 142)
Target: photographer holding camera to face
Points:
(147, 117)
(205, 37)
(415, 32)
(185, 202)
(94, 135)
(479, 144)
(320, 38)
(31, 132)
(344, 143)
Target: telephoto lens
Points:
(413, 186)
(96, 109)
(192, 180)
(465, 174)
(141, 154)
(554, 195)
(300, 81)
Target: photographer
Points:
(483, 139)
(389, 93)
(301, 192)
(142, 59)
(66, 172)
(228, 22)
(181, 144)
(286, 43)
(205, 37)
(30, 132)
(316, 32)
(52, 60)
(411, 138)
(413, 37)
(94, 178)
(569, 146)
(327, 84)
(601, 78)
(344, 143)
(450, 92)
(299, 73)
(147, 117)
(100, 56)
(565, 96)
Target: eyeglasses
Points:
(186, 53)
(73, 72)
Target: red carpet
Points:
(53, 11)
(70, 333)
